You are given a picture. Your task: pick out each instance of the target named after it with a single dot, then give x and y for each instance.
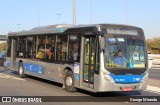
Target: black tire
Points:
(69, 88)
(21, 70)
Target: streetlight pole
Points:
(18, 26)
(126, 10)
(38, 11)
(59, 18)
(74, 11)
(91, 13)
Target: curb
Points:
(153, 89)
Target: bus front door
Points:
(88, 61)
(13, 54)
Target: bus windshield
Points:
(125, 53)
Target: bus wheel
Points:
(21, 71)
(69, 82)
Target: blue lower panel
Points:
(124, 79)
(8, 64)
(34, 68)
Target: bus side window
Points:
(40, 54)
(74, 48)
(50, 47)
(30, 47)
(64, 50)
(21, 50)
(61, 47)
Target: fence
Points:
(154, 60)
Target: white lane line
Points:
(153, 89)
(10, 77)
(155, 68)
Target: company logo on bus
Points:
(73, 37)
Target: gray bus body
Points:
(95, 71)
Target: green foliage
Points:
(3, 46)
(153, 45)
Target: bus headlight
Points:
(107, 77)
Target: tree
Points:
(153, 45)
(3, 46)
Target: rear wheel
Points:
(69, 81)
(21, 71)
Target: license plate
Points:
(127, 89)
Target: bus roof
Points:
(65, 28)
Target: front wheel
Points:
(21, 71)
(69, 81)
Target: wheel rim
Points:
(69, 81)
(20, 70)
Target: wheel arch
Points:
(20, 61)
(23, 75)
(66, 70)
(71, 88)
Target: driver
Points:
(120, 60)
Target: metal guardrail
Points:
(154, 60)
(3, 37)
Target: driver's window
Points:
(116, 52)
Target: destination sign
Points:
(124, 31)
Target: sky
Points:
(17, 15)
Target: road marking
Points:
(153, 89)
(10, 77)
(155, 68)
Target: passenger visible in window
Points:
(64, 46)
(48, 43)
(74, 55)
(120, 60)
(40, 52)
(49, 53)
(39, 55)
(64, 51)
(59, 52)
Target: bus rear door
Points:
(13, 54)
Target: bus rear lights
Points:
(127, 89)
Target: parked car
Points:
(2, 58)
(2, 61)
(3, 54)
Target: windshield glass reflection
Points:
(125, 53)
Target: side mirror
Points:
(100, 33)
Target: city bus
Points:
(96, 58)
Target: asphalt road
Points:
(12, 85)
(154, 74)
